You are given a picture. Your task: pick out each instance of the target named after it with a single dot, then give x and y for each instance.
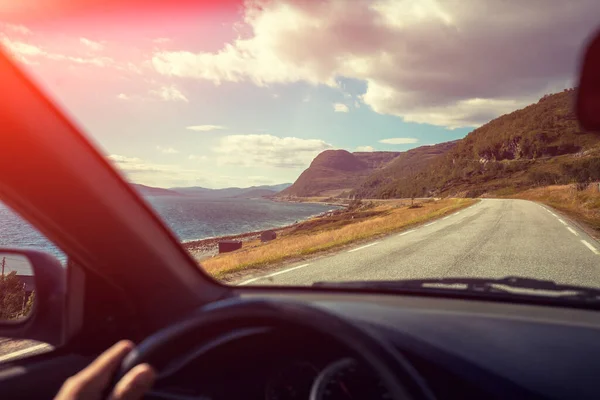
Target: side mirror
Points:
(33, 297)
(588, 92)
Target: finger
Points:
(135, 383)
(99, 372)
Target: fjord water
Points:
(190, 218)
(193, 218)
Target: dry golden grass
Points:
(581, 205)
(395, 218)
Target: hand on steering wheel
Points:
(91, 382)
(212, 322)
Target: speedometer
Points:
(346, 379)
(292, 382)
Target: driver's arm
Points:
(92, 381)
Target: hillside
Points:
(336, 170)
(381, 183)
(540, 144)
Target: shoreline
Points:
(201, 249)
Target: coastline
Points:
(201, 249)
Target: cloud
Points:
(170, 175)
(27, 53)
(399, 140)
(167, 150)
(161, 40)
(205, 128)
(169, 93)
(123, 96)
(162, 175)
(420, 60)
(268, 150)
(365, 149)
(339, 107)
(16, 29)
(306, 98)
(123, 159)
(92, 45)
(197, 158)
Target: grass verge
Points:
(580, 205)
(319, 235)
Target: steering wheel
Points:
(221, 318)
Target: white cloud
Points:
(170, 175)
(275, 95)
(14, 28)
(123, 159)
(421, 60)
(161, 40)
(306, 98)
(268, 150)
(339, 107)
(167, 150)
(169, 93)
(27, 52)
(206, 128)
(365, 149)
(123, 96)
(399, 140)
(92, 45)
(197, 158)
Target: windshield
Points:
(290, 142)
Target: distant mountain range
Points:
(541, 144)
(153, 191)
(233, 192)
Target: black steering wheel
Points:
(221, 318)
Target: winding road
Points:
(493, 238)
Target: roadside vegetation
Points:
(14, 303)
(581, 202)
(539, 145)
(361, 221)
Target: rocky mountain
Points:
(540, 144)
(407, 164)
(335, 171)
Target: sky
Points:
(242, 93)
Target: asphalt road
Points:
(493, 238)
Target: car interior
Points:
(129, 277)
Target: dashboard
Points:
(463, 349)
(270, 364)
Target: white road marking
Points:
(286, 270)
(572, 231)
(561, 221)
(248, 281)
(589, 246)
(447, 217)
(456, 213)
(431, 223)
(553, 214)
(363, 247)
(22, 352)
(406, 233)
(271, 275)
